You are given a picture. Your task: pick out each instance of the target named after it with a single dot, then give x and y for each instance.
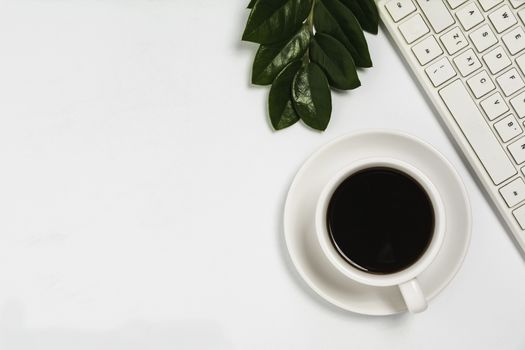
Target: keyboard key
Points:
(519, 214)
(502, 19)
(399, 9)
(513, 192)
(494, 106)
(454, 40)
(517, 3)
(437, 14)
(521, 13)
(507, 128)
(456, 3)
(514, 40)
(488, 4)
(483, 38)
(518, 103)
(510, 82)
(470, 16)
(477, 132)
(414, 28)
(517, 150)
(521, 63)
(427, 50)
(440, 72)
(467, 62)
(480, 84)
(497, 60)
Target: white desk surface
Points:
(142, 190)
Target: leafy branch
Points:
(306, 46)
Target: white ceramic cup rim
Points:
(345, 267)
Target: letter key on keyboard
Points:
(454, 40)
(483, 38)
(470, 16)
(494, 106)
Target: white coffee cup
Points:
(407, 278)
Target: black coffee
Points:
(380, 220)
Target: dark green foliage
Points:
(302, 66)
(280, 105)
(311, 96)
(335, 61)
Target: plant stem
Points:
(310, 19)
(310, 24)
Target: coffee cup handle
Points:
(413, 296)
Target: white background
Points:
(142, 190)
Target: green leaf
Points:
(369, 7)
(273, 21)
(282, 113)
(333, 18)
(335, 61)
(271, 59)
(311, 96)
(251, 4)
(366, 13)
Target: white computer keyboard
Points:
(469, 56)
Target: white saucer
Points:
(299, 214)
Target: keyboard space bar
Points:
(477, 132)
